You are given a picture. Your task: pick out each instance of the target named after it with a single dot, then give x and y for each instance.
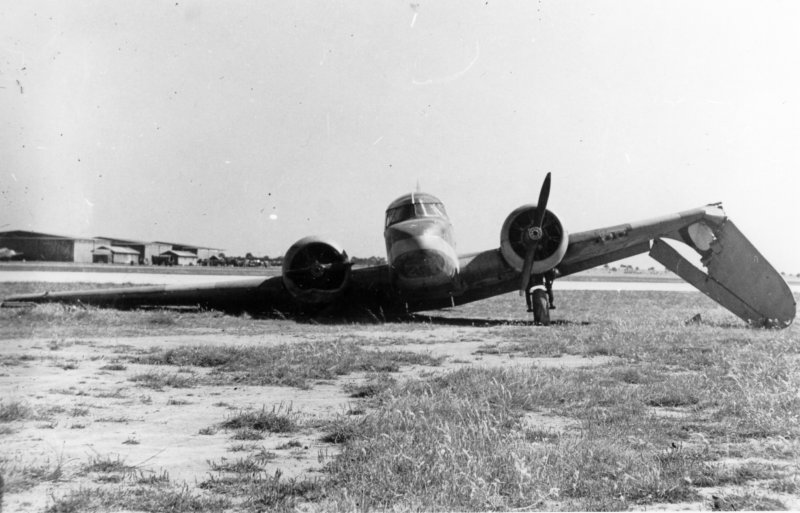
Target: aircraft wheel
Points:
(541, 310)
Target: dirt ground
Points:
(86, 413)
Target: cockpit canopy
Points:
(414, 205)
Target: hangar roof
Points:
(187, 254)
(185, 246)
(117, 240)
(115, 249)
(25, 234)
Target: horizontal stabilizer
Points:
(738, 278)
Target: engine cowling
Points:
(315, 270)
(514, 240)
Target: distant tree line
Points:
(628, 268)
(250, 260)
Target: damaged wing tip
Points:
(771, 323)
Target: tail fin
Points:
(739, 278)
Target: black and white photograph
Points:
(359, 255)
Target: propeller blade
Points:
(544, 195)
(541, 208)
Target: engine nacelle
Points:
(514, 240)
(316, 271)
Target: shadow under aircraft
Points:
(424, 272)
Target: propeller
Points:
(534, 234)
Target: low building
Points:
(175, 257)
(147, 250)
(201, 252)
(115, 255)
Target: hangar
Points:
(49, 247)
(38, 246)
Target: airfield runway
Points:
(189, 279)
(140, 278)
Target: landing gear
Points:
(541, 308)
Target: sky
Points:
(246, 125)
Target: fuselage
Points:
(420, 247)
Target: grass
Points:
(263, 492)
(790, 485)
(673, 410)
(239, 466)
(138, 498)
(107, 464)
(455, 443)
(371, 387)
(295, 364)
(651, 422)
(159, 380)
(746, 502)
(247, 434)
(120, 420)
(280, 419)
(19, 477)
(721, 475)
(113, 367)
(16, 360)
(292, 444)
(14, 411)
(243, 447)
(153, 478)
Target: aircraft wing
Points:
(737, 276)
(242, 295)
(368, 286)
(601, 246)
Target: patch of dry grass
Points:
(279, 419)
(15, 410)
(287, 364)
(138, 498)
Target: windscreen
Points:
(409, 211)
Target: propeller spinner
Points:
(534, 234)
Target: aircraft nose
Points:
(421, 251)
(423, 263)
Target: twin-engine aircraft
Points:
(424, 272)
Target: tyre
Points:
(541, 308)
